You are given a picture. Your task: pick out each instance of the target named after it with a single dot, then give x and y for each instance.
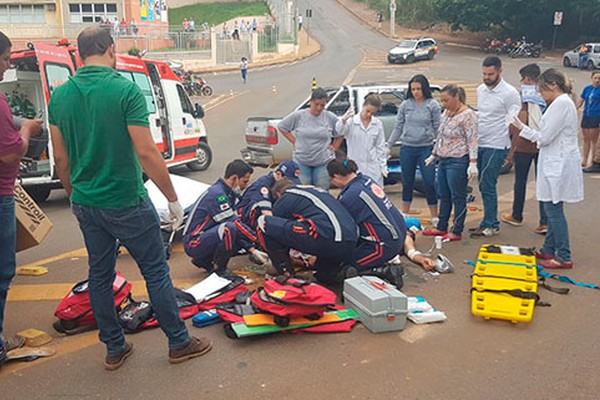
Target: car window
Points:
(390, 101)
(407, 44)
(341, 103)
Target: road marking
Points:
(222, 99)
(70, 254)
(56, 291)
(351, 74)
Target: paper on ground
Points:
(210, 285)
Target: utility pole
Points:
(392, 18)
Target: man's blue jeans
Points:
(8, 244)
(557, 238)
(522, 163)
(452, 185)
(138, 229)
(316, 176)
(412, 157)
(489, 163)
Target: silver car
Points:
(571, 57)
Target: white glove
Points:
(388, 154)
(516, 122)
(472, 171)
(348, 114)
(430, 160)
(261, 222)
(175, 214)
(260, 256)
(385, 173)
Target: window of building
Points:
(90, 13)
(22, 14)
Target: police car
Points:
(410, 50)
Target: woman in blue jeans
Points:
(559, 178)
(456, 152)
(417, 124)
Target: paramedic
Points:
(13, 146)
(101, 172)
(257, 198)
(214, 233)
(383, 231)
(310, 220)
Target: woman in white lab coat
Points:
(559, 177)
(365, 139)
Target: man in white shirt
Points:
(494, 99)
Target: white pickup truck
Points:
(266, 147)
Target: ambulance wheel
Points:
(39, 194)
(203, 158)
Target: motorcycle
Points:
(527, 49)
(195, 85)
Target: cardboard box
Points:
(32, 224)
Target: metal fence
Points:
(284, 12)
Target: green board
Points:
(241, 330)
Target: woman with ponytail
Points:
(382, 229)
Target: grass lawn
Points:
(216, 13)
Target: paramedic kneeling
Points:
(214, 233)
(383, 232)
(101, 138)
(310, 220)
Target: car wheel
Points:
(430, 55)
(203, 158)
(390, 60)
(567, 62)
(590, 65)
(410, 59)
(39, 194)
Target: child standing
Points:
(244, 68)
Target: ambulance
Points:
(175, 123)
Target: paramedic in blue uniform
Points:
(257, 198)
(310, 220)
(383, 231)
(214, 233)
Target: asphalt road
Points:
(553, 357)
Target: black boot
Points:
(281, 260)
(390, 273)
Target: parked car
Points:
(411, 50)
(571, 57)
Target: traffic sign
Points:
(558, 16)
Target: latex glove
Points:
(175, 214)
(261, 222)
(430, 160)
(385, 173)
(516, 122)
(260, 256)
(388, 153)
(348, 114)
(472, 171)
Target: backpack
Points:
(292, 298)
(74, 312)
(187, 304)
(234, 311)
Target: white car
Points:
(411, 50)
(571, 57)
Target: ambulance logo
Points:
(377, 190)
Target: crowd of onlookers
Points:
(120, 28)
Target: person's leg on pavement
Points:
(594, 144)
(492, 161)
(408, 163)
(543, 220)
(139, 231)
(549, 246)
(8, 240)
(586, 155)
(559, 231)
(102, 257)
(457, 183)
(522, 163)
(445, 194)
(428, 174)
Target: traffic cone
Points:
(274, 89)
(314, 84)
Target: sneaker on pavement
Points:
(485, 232)
(509, 219)
(3, 356)
(593, 169)
(390, 273)
(541, 230)
(195, 348)
(13, 342)
(451, 237)
(553, 263)
(543, 256)
(114, 362)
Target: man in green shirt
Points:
(102, 142)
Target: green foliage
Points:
(216, 13)
(134, 51)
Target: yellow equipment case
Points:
(504, 284)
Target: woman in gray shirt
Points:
(310, 131)
(417, 124)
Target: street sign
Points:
(309, 13)
(558, 16)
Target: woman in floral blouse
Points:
(456, 153)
